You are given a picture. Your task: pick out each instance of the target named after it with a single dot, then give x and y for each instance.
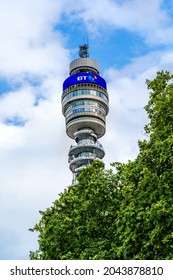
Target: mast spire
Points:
(84, 50)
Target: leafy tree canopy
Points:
(125, 214)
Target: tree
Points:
(145, 218)
(78, 225)
(126, 214)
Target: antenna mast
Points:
(84, 50)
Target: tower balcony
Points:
(90, 89)
(78, 169)
(88, 114)
(76, 163)
(96, 124)
(95, 148)
(83, 133)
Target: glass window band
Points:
(85, 92)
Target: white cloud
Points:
(128, 96)
(34, 170)
(33, 158)
(147, 18)
(17, 103)
(29, 45)
(11, 137)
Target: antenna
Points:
(84, 50)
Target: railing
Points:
(87, 144)
(83, 158)
(87, 114)
(89, 131)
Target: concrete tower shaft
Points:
(85, 104)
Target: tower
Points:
(85, 104)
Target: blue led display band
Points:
(84, 78)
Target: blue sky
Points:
(131, 40)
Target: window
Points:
(89, 109)
(85, 92)
(86, 141)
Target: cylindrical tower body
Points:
(85, 104)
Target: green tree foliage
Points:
(77, 226)
(126, 214)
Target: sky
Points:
(130, 39)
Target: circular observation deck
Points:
(83, 64)
(85, 107)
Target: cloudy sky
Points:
(131, 40)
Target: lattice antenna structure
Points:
(84, 50)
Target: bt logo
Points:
(82, 78)
(91, 78)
